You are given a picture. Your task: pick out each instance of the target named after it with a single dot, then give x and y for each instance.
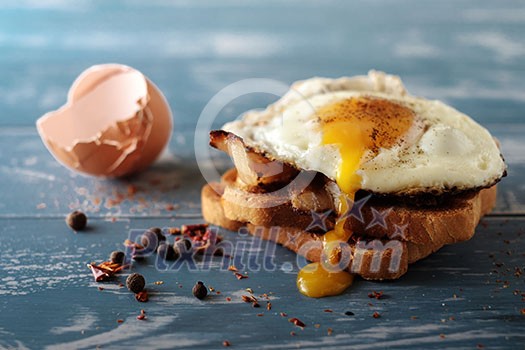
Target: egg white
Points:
(444, 150)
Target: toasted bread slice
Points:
(452, 221)
(418, 231)
(376, 260)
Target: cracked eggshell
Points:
(115, 122)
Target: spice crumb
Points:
(228, 299)
(297, 322)
(442, 336)
(317, 325)
(226, 343)
(240, 276)
(376, 315)
(158, 283)
(377, 295)
(292, 333)
(268, 305)
(328, 310)
(120, 320)
(142, 296)
(283, 314)
(260, 315)
(329, 331)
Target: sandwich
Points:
(356, 175)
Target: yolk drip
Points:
(355, 126)
(316, 282)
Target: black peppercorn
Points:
(135, 282)
(183, 245)
(167, 252)
(157, 231)
(77, 220)
(151, 239)
(117, 257)
(199, 290)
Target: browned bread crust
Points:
(379, 251)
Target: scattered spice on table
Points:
(77, 220)
(297, 322)
(135, 282)
(142, 296)
(377, 295)
(199, 290)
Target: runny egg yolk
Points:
(357, 127)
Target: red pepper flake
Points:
(141, 317)
(260, 315)
(328, 310)
(329, 331)
(414, 317)
(120, 320)
(442, 336)
(283, 314)
(218, 292)
(377, 295)
(174, 231)
(248, 298)
(121, 285)
(142, 296)
(522, 311)
(100, 288)
(232, 268)
(240, 276)
(480, 346)
(228, 299)
(293, 334)
(297, 322)
(376, 315)
(105, 270)
(193, 229)
(226, 343)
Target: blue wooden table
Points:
(467, 53)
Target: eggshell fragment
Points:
(116, 122)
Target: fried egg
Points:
(368, 133)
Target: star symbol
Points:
(399, 232)
(355, 208)
(319, 220)
(379, 218)
(292, 237)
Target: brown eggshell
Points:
(116, 122)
